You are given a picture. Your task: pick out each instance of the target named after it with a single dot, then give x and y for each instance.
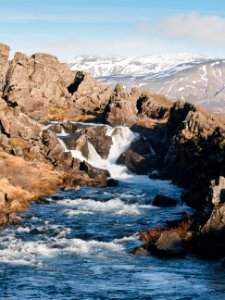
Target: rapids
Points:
(78, 247)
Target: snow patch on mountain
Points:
(100, 66)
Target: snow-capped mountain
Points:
(100, 66)
(193, 78)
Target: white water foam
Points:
(114, 206)
(16, 251)
(121, 137)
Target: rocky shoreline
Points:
(178, 141)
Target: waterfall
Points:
(122, 137)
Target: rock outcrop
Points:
(193, 150)
(137, 107)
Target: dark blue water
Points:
(79, 248)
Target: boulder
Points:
(163, 201)
(135, 162)
(98, 137)
(56, 128)
(169, 244)
(112, 182)
(92, 171)
(77, 142)
(71, 128)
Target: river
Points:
(78, 246)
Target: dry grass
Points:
(22, 181)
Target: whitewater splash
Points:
(122, 137)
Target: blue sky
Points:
(68, 28)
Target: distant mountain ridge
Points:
(100, 66)
(194, 78)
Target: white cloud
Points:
(197, 30)
(67, 49)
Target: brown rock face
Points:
(37, 83)
(84, 134)
(4, 52)
(138, 107)
(90, 97)
(4, 55)
(193, 149)
(212, 238)
(135, 162)
(23, 136)
(98, 138)
(138, 157)
(168, 244)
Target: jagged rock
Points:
(37, 83)
(193, 148)
(24, 137)
(122, 108)
(153, 106)
(163, 201)
(71, 128)
(77, 142)
(4, 52)
(4, 55)
(212, 238)
(97, 136)
(90, 96)
(138, 107)
(217, 192)
(56, 128)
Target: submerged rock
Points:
(112, 182)
(163, 201)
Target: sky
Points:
(68, 28)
